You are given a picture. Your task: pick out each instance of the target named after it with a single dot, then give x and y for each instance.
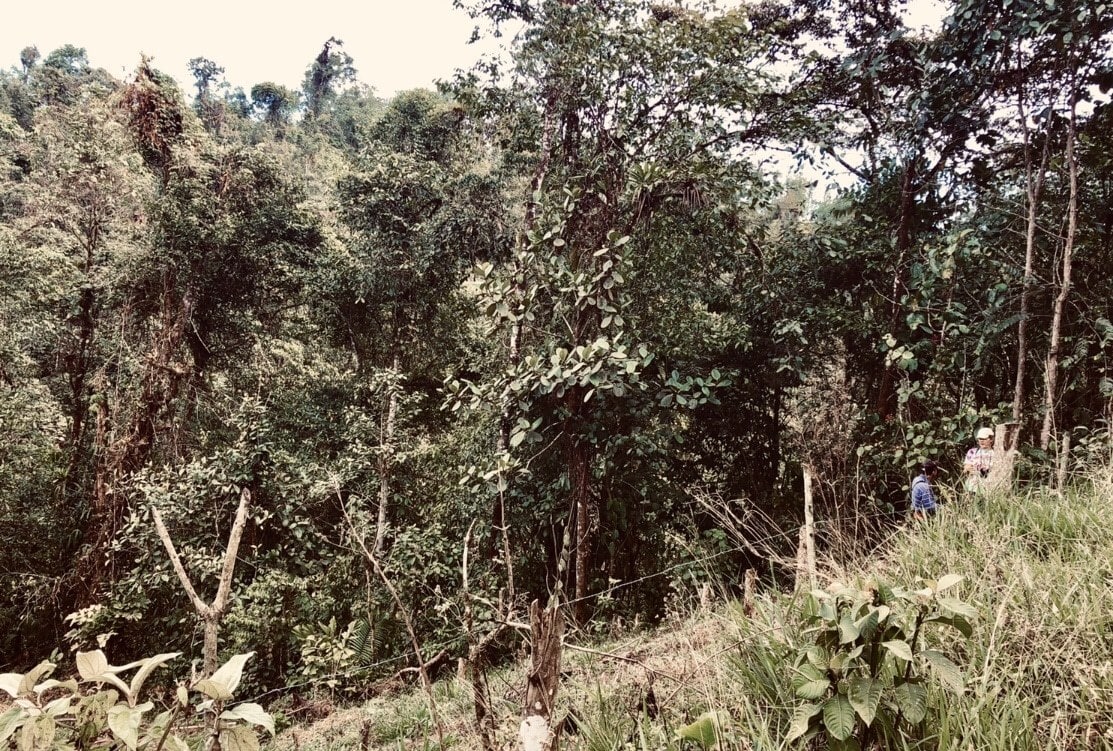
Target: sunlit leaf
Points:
(10, 721)
(250, 712)
(899, 648)
(37, 734)
(947, 672)
(957, 607)
(948, 581)
(37, 673)
(238, 738)
(148, 666)
(124, 721)
(9, 683)
(92, 665)
(705, 730)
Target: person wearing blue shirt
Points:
(924, 503)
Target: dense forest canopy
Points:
(538, 322)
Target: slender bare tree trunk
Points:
(423, 667)
(1052, 363)
(1064, 463)
(386, 458)
(1034, 179)
(887, 390)
(211, 614)
(808, 532)
(579, 478)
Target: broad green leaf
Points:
(69, 684)
(229, 674)
(9, 723)
(807, 672)
(92, 665)
(957, 607)
(948, 581)
(899, 648)
(40, 671)
(123, 668)
(705, 730)
(848, 630)
(802, 720)
(174, 743)
(250, 712)
(956, 622)
(819, 657)
(238, 738)
(840, 661)
(9, 683)
(865, 697)
(37, 734)
(124, 721)
(838, 717)
(59, 706)
(912, 701)
(867, 624)
(947, 672)
(148, 666)
(815, 689)
(115, 681)
(212, 689)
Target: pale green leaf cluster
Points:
(51, 715)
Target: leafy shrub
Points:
(865, 673)
(52, 715)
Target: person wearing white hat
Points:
(979, 460)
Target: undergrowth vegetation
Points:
(1002, 603)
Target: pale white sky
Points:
(396, 45)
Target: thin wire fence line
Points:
(606, 592)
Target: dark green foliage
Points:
(560, 300)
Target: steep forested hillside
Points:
(999, 602)
(349, 382)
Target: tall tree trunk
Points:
(1052, 363)
(579, 479)
(386, 457)
(1034, 179)
(887, 390)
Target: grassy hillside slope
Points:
(1036, 669)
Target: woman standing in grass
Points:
(978, 461)
(924, 503)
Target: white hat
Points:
(984, 433)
